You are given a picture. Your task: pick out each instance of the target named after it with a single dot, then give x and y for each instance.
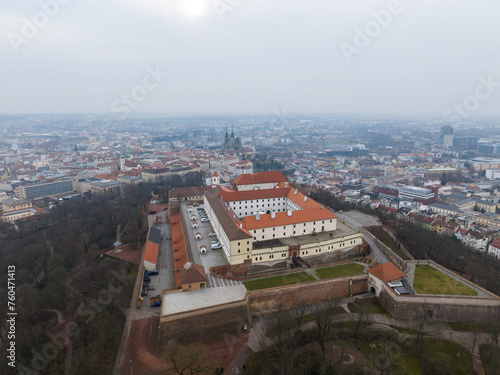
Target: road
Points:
(377, 253)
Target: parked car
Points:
(204, 220)
(216, 246)
(214, 242)
(153, 273)
(211, 235)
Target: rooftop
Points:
(343, 231)
(283, 218)
(178, 302)
(387, 272)
(260, 178)
(154, 235)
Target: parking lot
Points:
(211, 258)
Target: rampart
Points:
(444, 308)
(203, 324)
(267, 301)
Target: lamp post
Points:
(131, 371)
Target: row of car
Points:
(146, 285)
(203, 214)
(215, 245)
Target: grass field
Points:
(429, 280)
(271, 282)
(387, 240)
(343, 270)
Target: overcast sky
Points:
(249, 56)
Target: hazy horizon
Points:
(235, 57)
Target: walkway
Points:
(359, 220)
(441, 330)
(217, 282)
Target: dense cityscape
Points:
(209, 187)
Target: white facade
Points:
(291, 230)
(269, 185)
(251, 207)
(494, 252)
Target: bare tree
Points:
(473, 344)
(323, 319)
(359, 320)
(188, 360)
(424, 319)
(281, 330)
(299, 315)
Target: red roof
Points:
(259, 178)
(151, 253)
(282, 218)
(234, 195)
(192, 273)
(387, 272)
(496, 243)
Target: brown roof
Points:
(229, 195)
(282, 218)
(387, 272)
(193, 273)
(231, 228)
(151, 253)
(259, 178)
(188, 191)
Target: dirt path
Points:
(141, 348)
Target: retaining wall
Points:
(267, 301)
(448, 309)
(203, 324)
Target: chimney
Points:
(234, 216)
(289, 212)
(273, 215)
(241, 225)
(321, 206)
(286, 184)
(257, 217)
(305, 198)
(295, 192)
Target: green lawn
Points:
(343, 270)
(271, 282)
(429, 280)
(387, 240)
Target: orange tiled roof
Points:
(282, 218)
(192, 273)
(151, 253)
(229, 195)
(387, 272)
(259, 178)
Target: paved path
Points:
(166, 259)
(217, 282)
(377, 253)
(258, 339)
